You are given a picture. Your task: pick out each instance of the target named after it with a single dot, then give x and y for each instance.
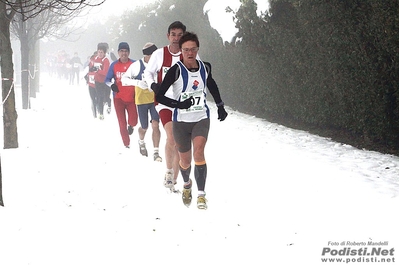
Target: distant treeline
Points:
(329, 67)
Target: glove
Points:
(93, 69)
(114, 88)
(143, 84)
(186, 103)
(155, 87)
(86, 77)
(222, 114)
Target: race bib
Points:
(164, 71)
(199, 101)
(98, 65)
(91, 79)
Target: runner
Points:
(189, 81)
(123, 95)
(144, 99)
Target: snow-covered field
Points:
(74, 195)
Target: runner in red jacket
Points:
(100, 67)
(124, 101)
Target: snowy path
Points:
(75, 196)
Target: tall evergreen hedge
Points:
(329, 64)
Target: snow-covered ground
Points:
(75, 196)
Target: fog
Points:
(94, 25)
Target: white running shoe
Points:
(157, 158)
(168, 181)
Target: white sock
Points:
(187, 183)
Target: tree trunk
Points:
(32, 71)
(25, 71)
(7, 86)
(7, 75)
(36, 81)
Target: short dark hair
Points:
(188, 36)
(177, 25)
(102, 46)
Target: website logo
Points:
(358, 252)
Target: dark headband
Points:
(149, 50)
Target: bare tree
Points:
(8, 99)
(28, 9)
(45, 24)
(33, 21)
(7, 77)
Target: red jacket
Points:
(116, 70)
(103, 65)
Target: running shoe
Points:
(201, 203)
(168, 181)
(143, 149)
(186, 195)
(157, 158)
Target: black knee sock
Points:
(185, 173)
(200, 176)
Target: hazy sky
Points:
(218, 18)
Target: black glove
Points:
(155, 87)
(222, 114)
(186, 103)
(114, 88)
(93, 69)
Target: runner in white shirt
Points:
(161, 60)
(188, 81)
(145, 101)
